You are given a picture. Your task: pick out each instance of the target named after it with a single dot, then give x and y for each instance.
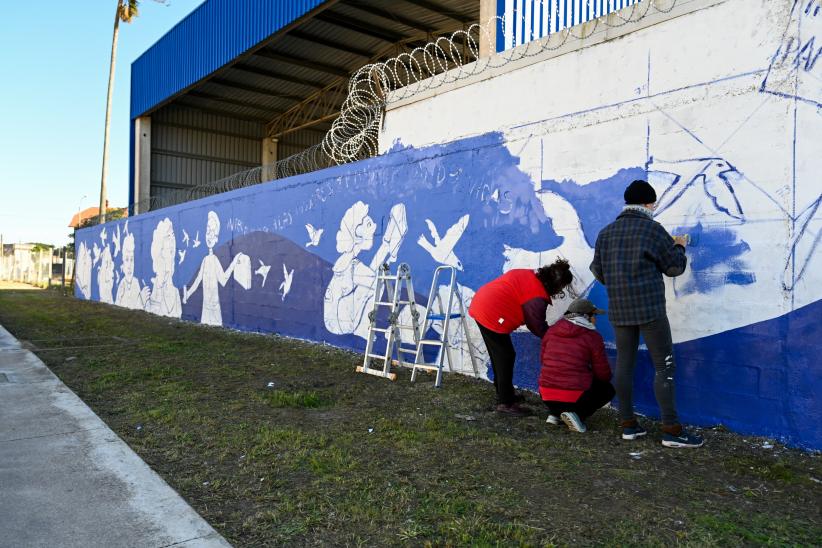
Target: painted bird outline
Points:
(103, 235)
(196, 240)
(97, 252)
(709, 173)
(263, 271)
(285, 287)
(442, 249)
(185, 237)
(314, 235)
(182, 256)
(115, 239)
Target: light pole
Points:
(79, 211)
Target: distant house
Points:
(92, 212)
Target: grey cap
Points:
(584, 306)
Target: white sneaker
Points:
(553, 419)
(573, 422)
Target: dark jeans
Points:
(599, 394)
(657, 335)
(502, 354)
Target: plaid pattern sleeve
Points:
(630, 258)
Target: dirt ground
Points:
(279, 442)
(6, 285)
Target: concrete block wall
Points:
(518, 169)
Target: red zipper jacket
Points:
(515, 298)
(571, 357)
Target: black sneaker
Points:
(683, 440)
(512, 410)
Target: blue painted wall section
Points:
(297, 257)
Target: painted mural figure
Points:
(350, 292)
(105, 277)
(211, 274)
(82, 270)
(164, 297)
(129, 294)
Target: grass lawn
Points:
(326, 456)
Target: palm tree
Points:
(127, 10)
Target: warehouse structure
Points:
(242, 83)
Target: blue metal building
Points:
(240, 83)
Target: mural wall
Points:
(732, 146)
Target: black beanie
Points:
(640, 193)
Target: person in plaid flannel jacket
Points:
(630, 258)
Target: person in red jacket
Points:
(575, 378)
(518, 297)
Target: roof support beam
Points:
(277, 76)
(253, 89)
(301, 62)
(221, 112)
(324, 105)
(333, 44)
(359, 26)
(390, 16)
(235, 102)
(441, 10)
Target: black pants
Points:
(657, 335)
(501, 351)
(599, 394)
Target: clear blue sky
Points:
(54, 60)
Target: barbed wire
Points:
(354, 134)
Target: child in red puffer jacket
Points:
(575, 377)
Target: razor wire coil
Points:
(354, 134)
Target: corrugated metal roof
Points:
(235, 71)
(209, 37)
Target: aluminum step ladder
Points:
(445, 314)
(388, 294)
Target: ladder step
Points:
(384, 303)
(431, 342)
(407, 350)
(442, 316)
(427, 366)
(403, 326)
(377, 373)
(380, 329)
(377, 356)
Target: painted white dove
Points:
(96, 253)
(314, 235)
(103, 235)
(125, 227)
(442, 249)
(712, 174)
(285, 287)
(263, 271)
(182, 255)
(185, 237)
(196, 240)
(115, 239)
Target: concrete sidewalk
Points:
(67, 480)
